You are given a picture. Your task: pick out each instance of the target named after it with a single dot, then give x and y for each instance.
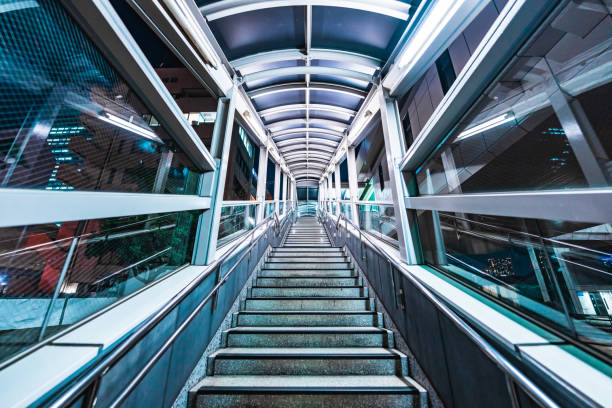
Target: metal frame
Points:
(307, 130)
(313, 54)
(307, 70)
(302, 86)
(100, 21)
(391, 8)
(594, 204)
(20, 207)
(300, 107)
(326, 124)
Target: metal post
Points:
(395, 149)
(262, 175)
(58, 286)
(284, 197)
(338, 189)
(352, 178)
(213, 184)
(277, 171)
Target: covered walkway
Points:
(305, 203)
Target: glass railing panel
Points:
(307, 208)
(378, 220)
(53, 275)
(235, 221)
(557, 272)
(347, 210)
(281, 207)
(269, 208)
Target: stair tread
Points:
(340, 312)
(362, 352)
(314, 329)
(308, 297)
(320, 383)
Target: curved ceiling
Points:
(308, 65)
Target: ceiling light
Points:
(186, 19)
(438, 15)
(489, 124)
(129, 126)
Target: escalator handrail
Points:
(506, 366)
(76, 389)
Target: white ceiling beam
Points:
(301, 86)
(326, 124)
(314, 54)
(392, 8)
(307, 70)
(302, 106)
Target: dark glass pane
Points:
(446, 72)
(68, 121)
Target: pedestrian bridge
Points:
(305, 203)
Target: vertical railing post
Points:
(394, 149)
(58, 287)
(212, 183)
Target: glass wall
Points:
(69, 121)
(235, 221)
(241, 177)
(543, 124)
(54, 275)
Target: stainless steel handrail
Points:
(506, 366)
(81, 385)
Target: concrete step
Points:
(306, 249)
(307, 254)
(307, 336)
(329, 291)
(283, 281)
(303, 258)
(296, 273)
(307, 361)
(307, 265)
(308, 303)
(311, 391)
(308, 318)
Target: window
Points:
(245, 140)
(446, 71)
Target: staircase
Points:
(307, 335)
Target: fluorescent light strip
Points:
(489, 124)
(129, 126)
(440, 13)
(185, 17)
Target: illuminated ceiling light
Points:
(489, 124)
(438, 15)
(186, 19)
(129, 126)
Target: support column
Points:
(330, 192)
(277, 181)
(395, 149)
(212, 184)
(338, 190)
(582, 138)
(261, 182)
(352, 178)
(284, 197)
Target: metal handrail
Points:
(506, 366)
(76, 389)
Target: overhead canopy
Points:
(307, 66)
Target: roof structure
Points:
(307, 66)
